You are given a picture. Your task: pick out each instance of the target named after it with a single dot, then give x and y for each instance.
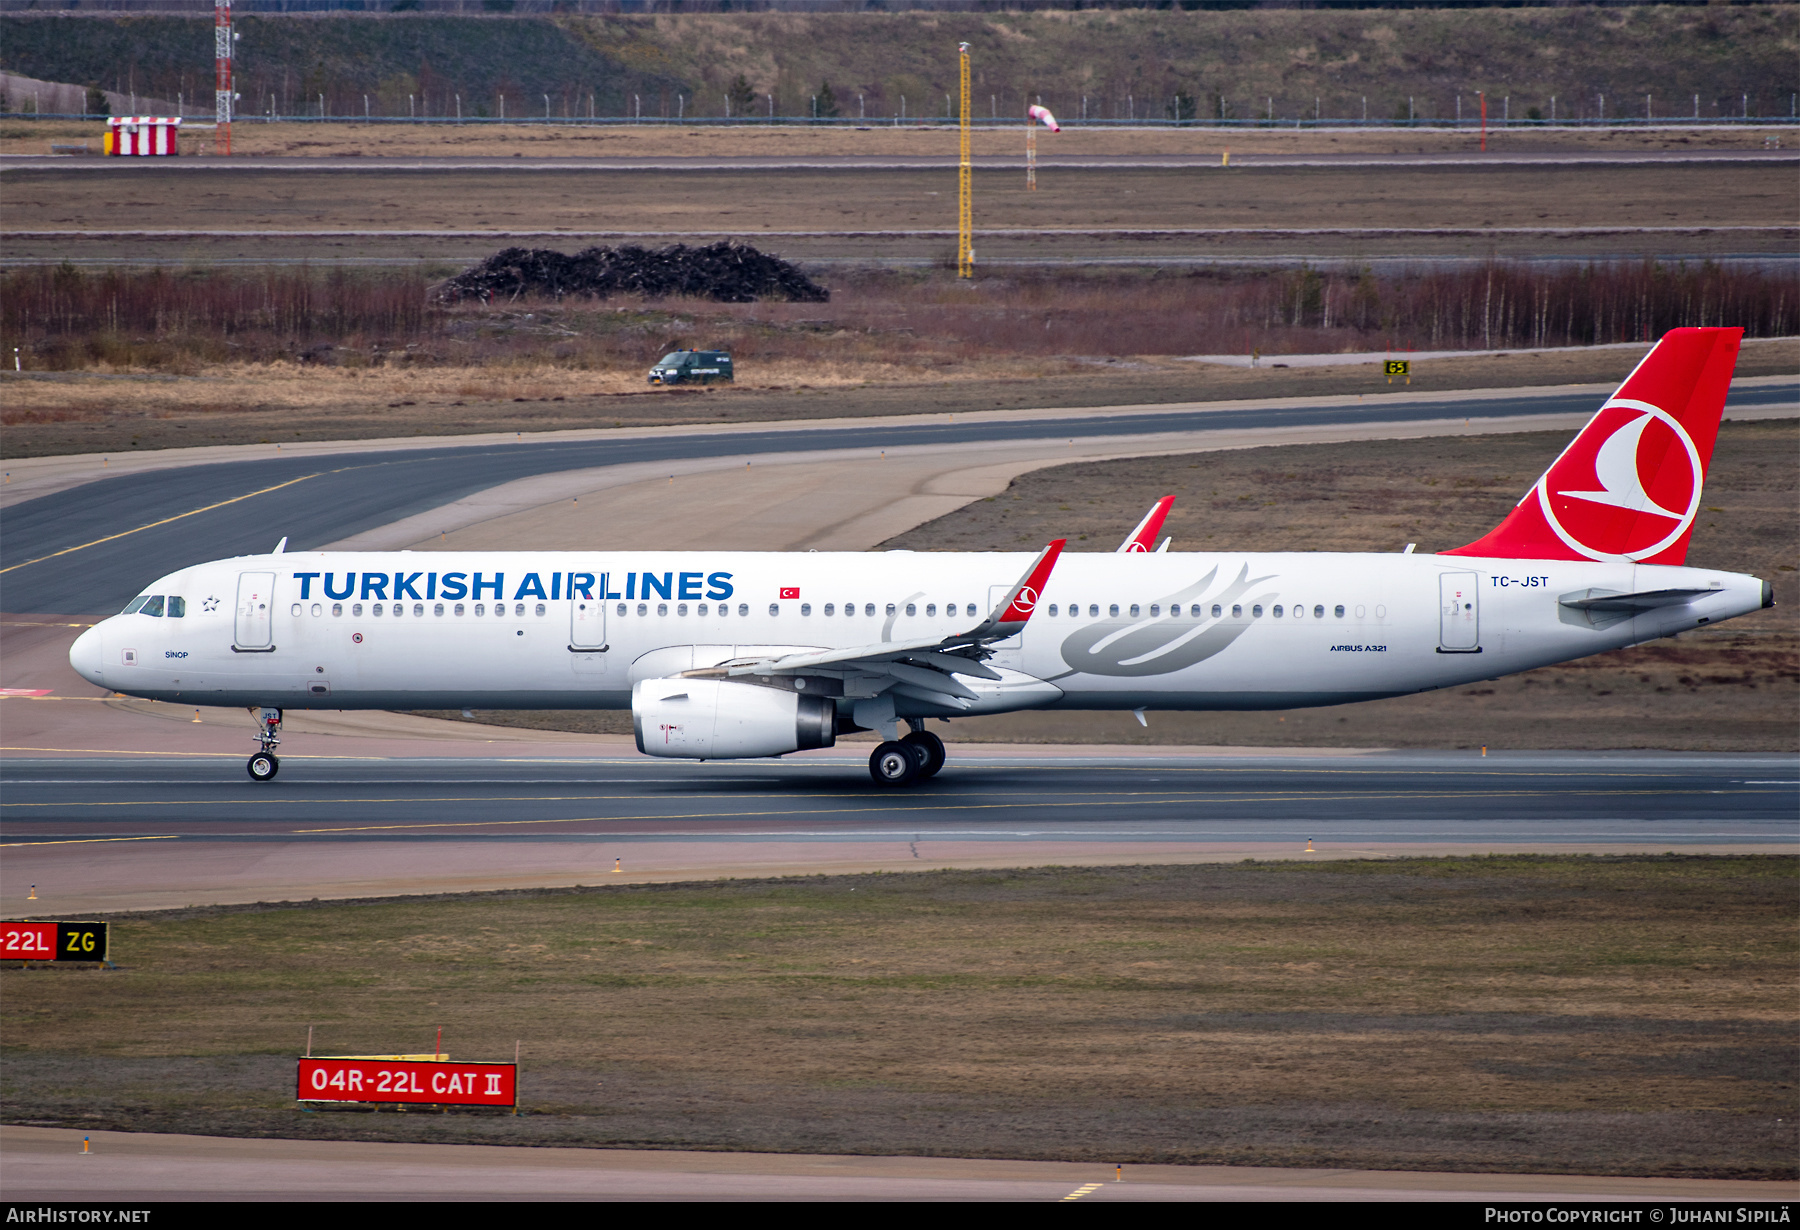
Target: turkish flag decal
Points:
(790, 591)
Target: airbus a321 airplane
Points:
(725, 655)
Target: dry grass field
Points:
(1734, 688)
(99, 412)
(1575, 1015)
(374, 197)
(255, 139)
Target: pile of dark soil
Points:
(726, 272)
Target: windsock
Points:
(1043, 113)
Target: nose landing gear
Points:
(266, 764)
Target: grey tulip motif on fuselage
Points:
(1161, 644)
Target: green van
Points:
(692, 367)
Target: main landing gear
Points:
(266, 764)
(912, 759)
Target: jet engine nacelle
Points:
(715, 719)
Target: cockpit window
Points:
(152, 607)
(137, 604)
(177, 607)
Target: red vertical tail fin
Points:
(1628, 486)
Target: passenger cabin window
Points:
(912, 610)
(1256, 611)
(774, 608)
(419, 610)
(356, 611)
(1319, 612)
(375, 609)
(662, 608)
(830, 608)
(318, 610)
(700, 610)
(519, 609)
(681, 608)
(806, 608)
(890, 608)
(438, 609)
(1237, 612)
(295, 611)
(1093, 610)
(931, 610)
(1338, 611)
(1053, 610)
(540, 609)
(1113, 609)
(1276, 612)
(743, 608)
(643, 609)
(337, 610)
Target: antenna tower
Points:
(222, 84)
(965, 182)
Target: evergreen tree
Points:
(740, 97)
(826, 108)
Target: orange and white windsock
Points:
(1043, 114)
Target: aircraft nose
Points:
(88, 655)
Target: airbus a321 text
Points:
(724, 655)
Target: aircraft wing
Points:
(923, 668)
(1143, 537)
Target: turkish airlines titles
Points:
(375, 586)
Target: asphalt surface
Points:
(90, 549)
(48, 1164)
(1058, 801)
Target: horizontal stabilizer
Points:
(1602, 608)
(1648, 600)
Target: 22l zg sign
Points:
(435, 1083)
(53, 941)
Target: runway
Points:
(46, 1164)
(88, 548)
(107, 834)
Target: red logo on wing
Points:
(1027, 598)
(790, 591)
(1628, 486)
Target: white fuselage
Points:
(1230, 630)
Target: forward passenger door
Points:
(254, 629)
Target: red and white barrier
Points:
(144, 135)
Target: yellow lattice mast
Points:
(965, 182)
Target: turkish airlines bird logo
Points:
(1628, 486)
(1027, 598)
